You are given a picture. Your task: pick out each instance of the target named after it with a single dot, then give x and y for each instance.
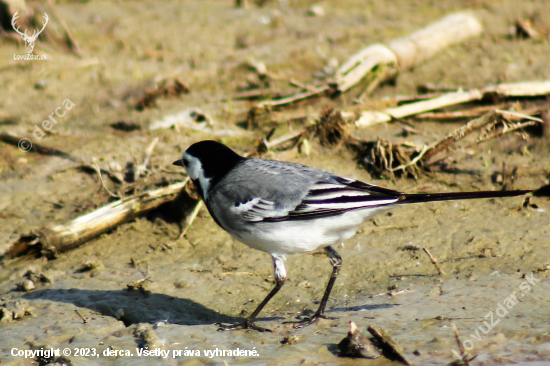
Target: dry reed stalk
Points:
(50, 241)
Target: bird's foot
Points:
(244, 325)
(308, 320)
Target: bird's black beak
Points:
(178, 162)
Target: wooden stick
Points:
(71, 42)
(406, 52)
(412, 162)
(460, 133)
(424, 44)
(378, 76)
(431, 88)
(473, 112)
(98, 171)
(518, 126)
(389, 346)
(362, 63)
(192, 218)
(465, 361)
(14, 140)
(545, 116)
(473, 125)
(525, 89)
(383, 153)
(368, 118)
(298, 84)
(285, 138)
(416, 98)
(50, 241)
(434, 261)
(140, 168)
(522, 89)
(294, 98)
(49, 151)
(249, 95)
(81, 317)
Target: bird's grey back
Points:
(277, 181)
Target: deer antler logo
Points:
(29, 41)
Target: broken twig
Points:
(43, 150)
(434, 261)
(98, 171)
(391, 349)
(405, 52)
(192, 218)
(50, 241)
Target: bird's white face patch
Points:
(196, 172)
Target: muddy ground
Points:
(488, 250)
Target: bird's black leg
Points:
(336, 262)
(280, 278)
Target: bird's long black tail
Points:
(429, 197)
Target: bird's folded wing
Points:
(258, 209)
(323, 199)
(328, 199)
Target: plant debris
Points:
(357, 345)
(51, 241)
(330, 128)
(140, 285)
(25, 286)
(43, 150)
(434, 261)
(383, 157)
(14, 310)
(390, 348)
(526, 29)
(162, 88)
(125, 126)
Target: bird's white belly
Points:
(301, 236)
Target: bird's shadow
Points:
(363, 307)
(347, 309)
(133, 307)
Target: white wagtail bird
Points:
(285, 208)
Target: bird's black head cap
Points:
(216, 158)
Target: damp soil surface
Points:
(495, 257)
